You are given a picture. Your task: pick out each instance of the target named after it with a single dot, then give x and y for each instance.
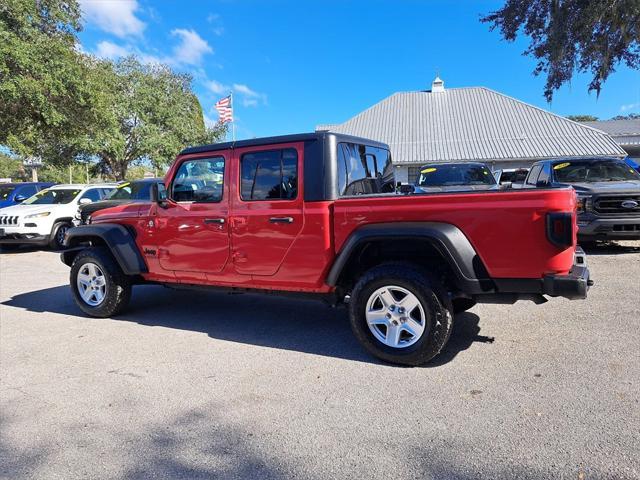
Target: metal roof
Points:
(624, 132)
(474, 123)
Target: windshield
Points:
(132, 191)
(588, 172)
(52, 197)
(6, 191)
(458, 174)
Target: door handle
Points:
(281, 220)
(219, 221)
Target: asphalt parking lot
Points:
(207, 385)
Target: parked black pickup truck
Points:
(608, 194)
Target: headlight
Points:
(584, 203)
(38, 215)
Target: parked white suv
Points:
(44, 218)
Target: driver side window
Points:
(199, 180)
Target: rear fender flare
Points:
(470, 274)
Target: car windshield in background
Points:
(132, 191)
(458, 174)
(589, 172)
(52, 197)
(6, 191)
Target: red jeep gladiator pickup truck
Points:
(319, 214)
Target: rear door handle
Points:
(281, 220)
(219, 221)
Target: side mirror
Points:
(159, 194)
(84, 201)
(20, 198)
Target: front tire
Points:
(58, 232)
(99, 286)
(400, 314)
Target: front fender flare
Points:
(118, 239)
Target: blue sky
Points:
(295, 64)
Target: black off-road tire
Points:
(57, 235)
(118, 285)
(431, 295)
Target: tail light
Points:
(560, 229)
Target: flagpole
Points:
(233, 122)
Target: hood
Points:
(89, 208)
(629, 186)
(22, 210)
(457, 188)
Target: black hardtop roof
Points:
(299, 137)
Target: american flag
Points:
(225, 109)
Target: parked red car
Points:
(317, 214)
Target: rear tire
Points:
(99, 286)
(381, 323)
(57, 235)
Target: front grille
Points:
(8, 220)
(613, 204)
(626, 228)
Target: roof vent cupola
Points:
(438, 85)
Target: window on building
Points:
(363, 170)
(200, 180)
(269, 175)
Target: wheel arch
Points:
(420, 242)
(117, 238)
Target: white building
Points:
(471, 124)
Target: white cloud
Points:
(111, 51)
(248, 96)
(243, 89)
(217, 87)
(192, 47)
(249, 102)
(629, 106)
(217, 28)
(117, 17)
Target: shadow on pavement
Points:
(610, 248)
(262, 320)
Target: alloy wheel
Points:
(92, 284)
(395, 316)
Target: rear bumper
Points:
(574, 285)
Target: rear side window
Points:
(200, 180)
(363, 170)
(27, 191)
(269, 175)
(533, 175)
(93, 195)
